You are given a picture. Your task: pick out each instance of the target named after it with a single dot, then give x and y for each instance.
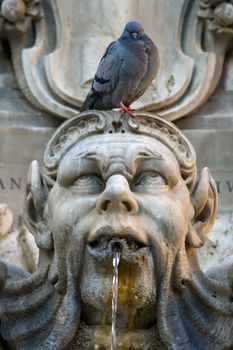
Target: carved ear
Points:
(205, 200)
(34, 204)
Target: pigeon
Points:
(125, 71)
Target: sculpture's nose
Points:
(117, 197)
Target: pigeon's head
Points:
(133, 29)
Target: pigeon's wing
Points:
(107, 75)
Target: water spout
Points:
(116, 260)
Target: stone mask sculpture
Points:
(107, 178)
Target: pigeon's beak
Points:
(134, 35)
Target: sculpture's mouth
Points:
(108, 243)
(129, 242)
(136, 279)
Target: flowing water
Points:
(116, 259)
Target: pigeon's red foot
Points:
(127, 110)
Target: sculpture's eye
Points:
(150, 180)
(88, 183)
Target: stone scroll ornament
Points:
(56, 46)
(107, 177)
(18, 19)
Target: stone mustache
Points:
(108, 177)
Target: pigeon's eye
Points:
(134, 35)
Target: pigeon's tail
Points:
(88, 103)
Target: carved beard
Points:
(36, 313)
(195, 312)
(192, 310)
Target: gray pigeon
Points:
(125, 71)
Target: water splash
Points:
(116, 260)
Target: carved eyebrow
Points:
(148, 154)
(92, 155)
(87, 155)
(101, 163)
(145, 154)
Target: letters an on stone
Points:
(107, 177)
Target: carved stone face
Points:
(126, 188)
(110, 179)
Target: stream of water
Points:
(116, 259)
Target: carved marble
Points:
(18, 14)
(219, 14)
(218, 23)
(107, 177)
(56, 56)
